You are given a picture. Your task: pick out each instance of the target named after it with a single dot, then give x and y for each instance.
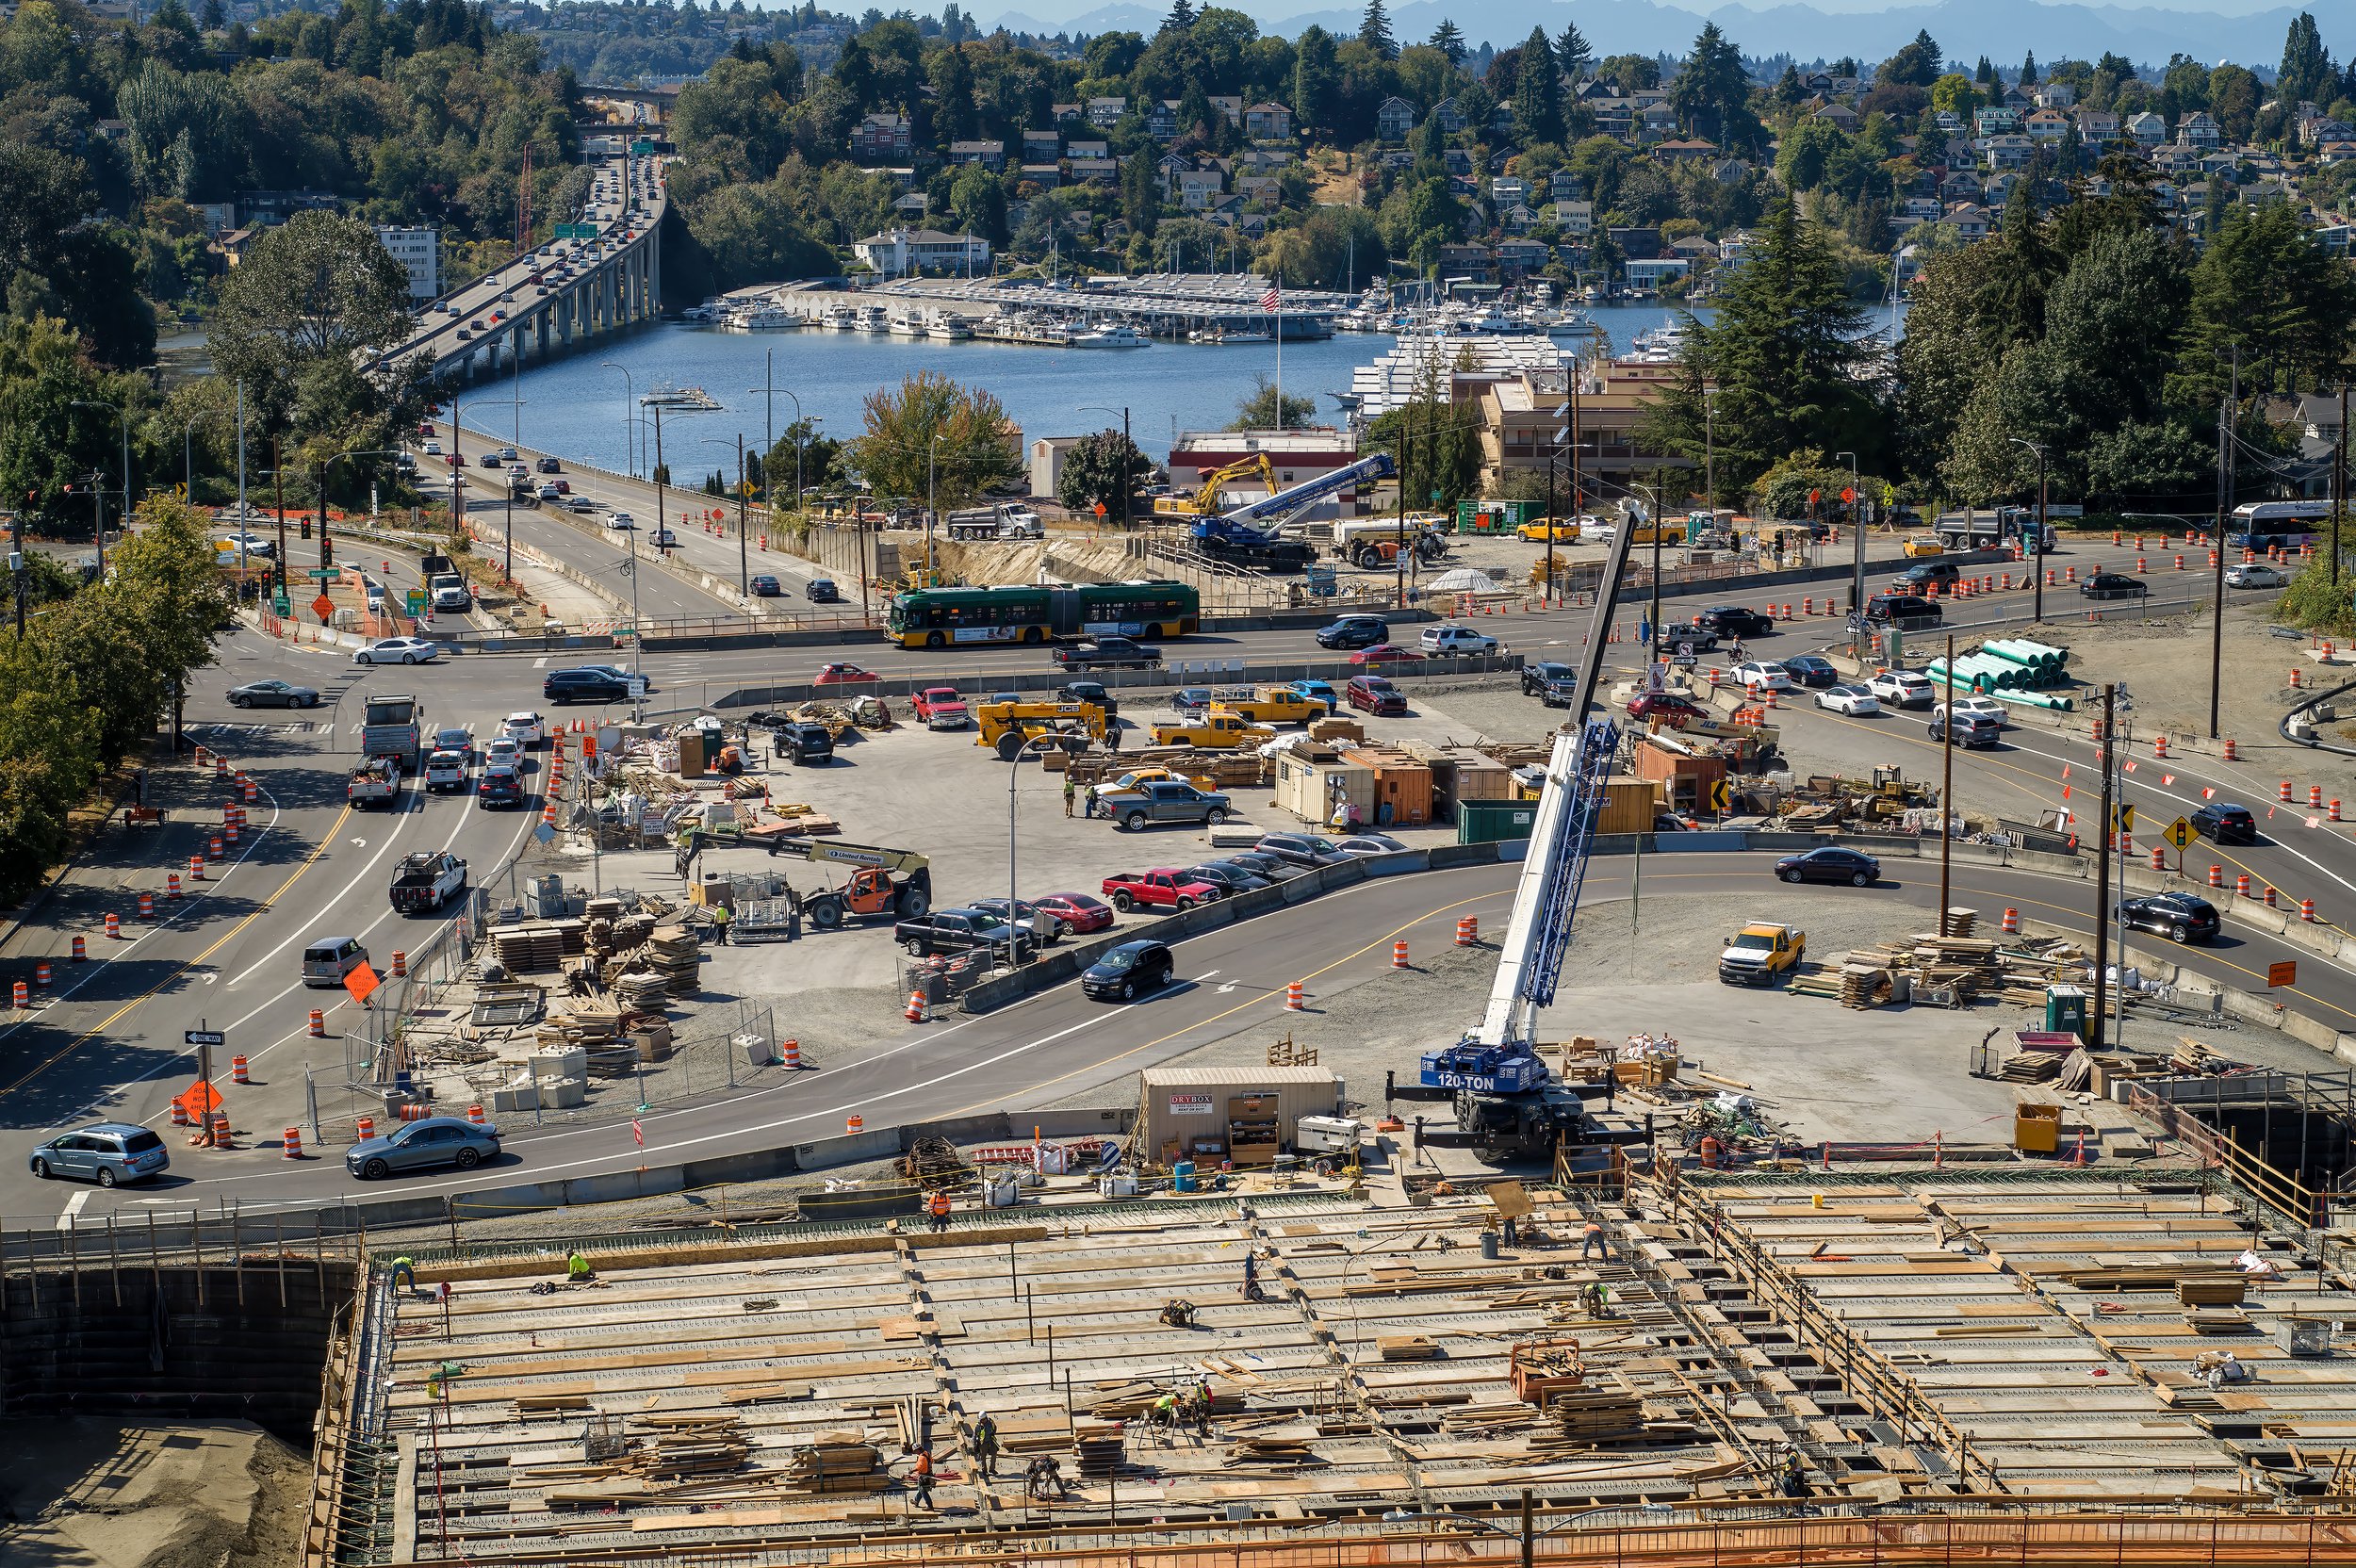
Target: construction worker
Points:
(1070, 791)
(1112, 736)
(720, 918)
(1794, 1482)
(986, 1446)
(1165, 1415)
(1598, 1299)
(1594, 1242)
(405, 1273)
(577, 1269)
(923, 1476)
(1203, 1407)
(937, 1206)
(1251, 1275)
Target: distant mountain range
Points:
(2002, 30)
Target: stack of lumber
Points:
(689, 1446)
(837, 1463)
(1597, 1412)
(673, 951)
(1486, 1419)
(640, 990)
(1276, 1447)
(584, 1024)
(2212, 1290)
(1045, 1433)
(2113, 1278)
(538, 949)
(1099, 1446)
(1407, 1347)
(2031, 1067)
(1863, 985)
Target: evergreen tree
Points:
(1786, 356)
(1916, 64)
(1538, 93)
(1181, 17)
(2028, 72)
(1374, 31)
(1316, 79)
(1449, 40)
(1790, 90)
(1986, 73)
(2016, 268)
(1573, 54)
(1712, 93)
(2307, 76)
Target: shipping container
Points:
(1628, 806)
(1214, 1114)
(1310, 787)
(1499, 517)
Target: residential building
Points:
(2147, 129)
(1637, 244)
(1087, 147)
(1656, 122)
(1198, 187)
(2097, 126)
(1519, 258)
(1230, 106)
(1841, 115)
(1451, 119)
(419, 251)
(1506, 190)
(1518, 219)
(1047, 176)
(2046, 126)
(1104, 113)
(1161, 121)
(1920, 210)
(1563, 186)
(877, 136)
(2056, 95)
(1970, 222)
(1267, 122)
(1097, 170)
(1395, 119)
(989, 154)
(2007, 151)
(1688, 150)
(1653, 271)
(1472, 263)
(1995, 121)
(900, 252)
(2199, 129)
(1069, 115)
(1575, 216)
(1042, 146)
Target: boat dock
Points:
(1202, 308)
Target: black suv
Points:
(1734, 620)
(2179, 917)
(1883, 609)
(960, 931)
(562, 686)
(2223, 823)
(1354, 631)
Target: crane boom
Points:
(1274, 509)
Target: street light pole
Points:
(2225, 476)
(1856, 528)
(2103, 874)
(1014, 771)
(2036, 568)
(629, 419)
(1947, 794)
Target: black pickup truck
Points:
(1108, 653)
(958, 931)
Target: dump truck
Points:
(885, 884)
(389, 727)
(1007, 727)
(1756, 954)
(1220, 729)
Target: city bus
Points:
(2261, 525)
(942, 618)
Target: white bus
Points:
(2284, 525)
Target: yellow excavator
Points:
(885, 884)
(1205, 502)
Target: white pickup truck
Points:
(446, 771)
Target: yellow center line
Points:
(120, 1013)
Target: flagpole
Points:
(1280, 352)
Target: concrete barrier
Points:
(1395, 864)
(1116, 681)
(1449, 857)
(874, 1143)
(1703, 842)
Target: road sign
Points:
(2179, 832)
(203, 1037)
(2284, 973)
(324, 574)
(1719, 795)
(2122, 818)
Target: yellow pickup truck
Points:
(1565, 530)
(1759, 952)
(1217, 730)
(1270, 705)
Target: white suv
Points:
(1456, 638)
(1901, 689)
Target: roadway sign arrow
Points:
(203, 1037)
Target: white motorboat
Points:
(949, 327)
(771, 319)
(842, 318)
(1118, 335)
(873, 319)
(694, 399)
(907, 326)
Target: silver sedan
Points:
(438, 1140)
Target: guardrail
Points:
(985, 678)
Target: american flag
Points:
(1268, 301)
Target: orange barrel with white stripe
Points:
(238, 1073)
(319, 1025)
(291, 1142)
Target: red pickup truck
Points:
(1164, 889)
(941, 708)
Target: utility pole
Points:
(1579, 499)
(278, 502)
(1947, 794)
(744, 556)
(2339, 482)
(2103, 873)
(660, 476)
(327, 550)
(2224, 505)
(245, 520)
(16, 567)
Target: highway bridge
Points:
(600, 273)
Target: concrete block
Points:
(874, 1143)
(558, 1061)
(1447, 857)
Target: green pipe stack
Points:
(2011, 670)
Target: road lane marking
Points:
(74, 1207)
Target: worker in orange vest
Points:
(923, 1476)
(938, 1207)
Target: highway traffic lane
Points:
(1058, 1043)
(2026, 773)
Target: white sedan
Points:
(1765, 677)
(399, 650)
(1978, 706)
(2256, 574)
(1848, 700)
(1901, 689)
(621, 519)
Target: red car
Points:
(1667, 707)
(843, 675)
(1385, 653)
(1371, 693)
(1080, 912)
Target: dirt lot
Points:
(94, 1494)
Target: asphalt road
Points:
(109, 1043)
(1059, 1042)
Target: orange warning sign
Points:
(361, 984)
(200, 1099)
(322, 606)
